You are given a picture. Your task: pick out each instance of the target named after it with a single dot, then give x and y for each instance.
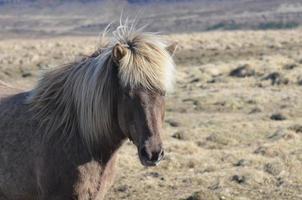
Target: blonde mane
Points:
(80, 97)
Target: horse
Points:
(60, 139)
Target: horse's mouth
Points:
(147, 163)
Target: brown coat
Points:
(31, 168)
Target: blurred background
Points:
(233, 128)
(80, 17)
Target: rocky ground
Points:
(234, 122)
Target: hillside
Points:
(43, 18)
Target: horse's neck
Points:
(78, 152)
(108, 146)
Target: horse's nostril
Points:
(162, 154)
(144, 153)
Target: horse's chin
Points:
(148, 164)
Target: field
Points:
(233, 123)
(79, 17)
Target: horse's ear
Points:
(172, 48)
(118, 52)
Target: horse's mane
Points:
(80, 97)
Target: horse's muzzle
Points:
(150, 158)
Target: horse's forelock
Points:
(147, 63)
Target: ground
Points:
(233, 127)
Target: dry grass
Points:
(220, 137)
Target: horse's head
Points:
(141, 104)
(141, 114)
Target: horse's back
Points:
(7, 90)
(16, 150)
